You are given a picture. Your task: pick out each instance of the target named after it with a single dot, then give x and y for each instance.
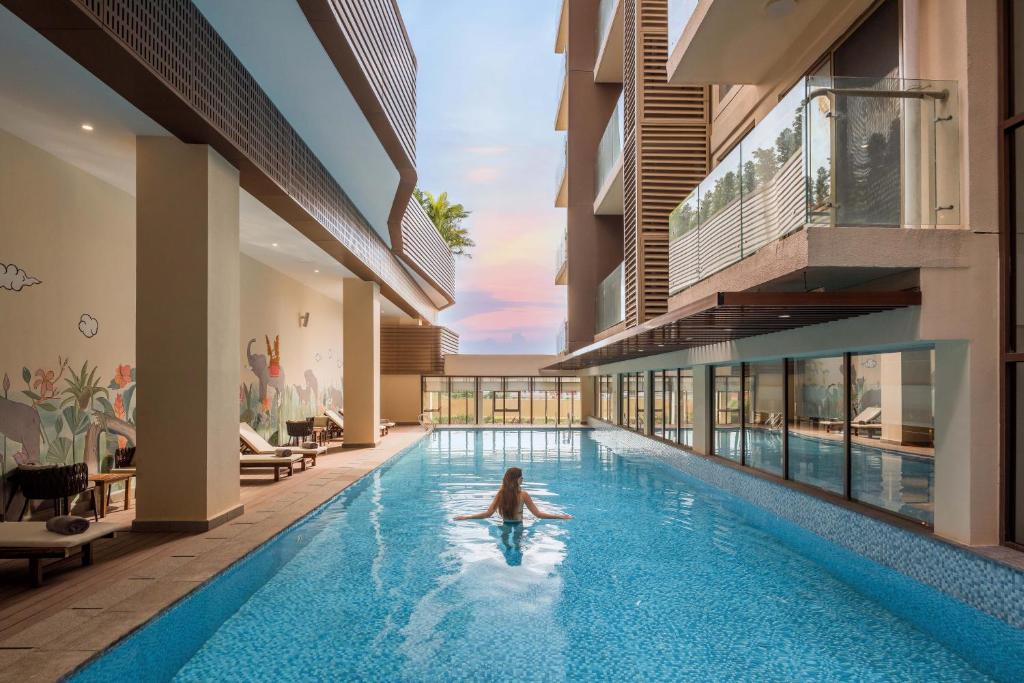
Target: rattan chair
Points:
(57, 484)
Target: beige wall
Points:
(310, 374)
(400, 398)
(75, 236)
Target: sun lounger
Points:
(254, 444)
(278, 463)
(338, 418)
(32, 541)
(865, 421)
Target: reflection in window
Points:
(727, 412)
(658, 404)
(435, 399)
(686, 407)
(817, 395)
(763, 401)
(569, 401)
(892, 431)
(544, 400)
(641, 401)
(671, 402)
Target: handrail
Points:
(869, 92)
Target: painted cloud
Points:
(14, 278)
(88, 325)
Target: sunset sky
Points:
(488, 88)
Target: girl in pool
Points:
(509, 501)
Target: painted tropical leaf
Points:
(60, 450)
(106, 405)
(48, 407)
(31, 394)
(26, 375)
(128, 394)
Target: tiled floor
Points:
(46, 632)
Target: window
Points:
(726, 407)
(817, 415)
(670, 399)
(658, 404)
(686, 407)
(892, 431)
(605, 397)
(545, 400)
(633, 410)
(764, 409)
(435, 400)
(569, 406)
(462, 400)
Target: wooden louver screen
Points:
(414, 350)
(665, 156)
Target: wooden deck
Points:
(46, 632)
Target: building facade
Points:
(210, 201)
(832, 319)
(635, 145)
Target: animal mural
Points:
(268, 411)
(65, 415)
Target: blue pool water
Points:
(658, 577)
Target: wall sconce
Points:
(304, 319)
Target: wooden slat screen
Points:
(426, 250)
(415, 350)
(666, 157)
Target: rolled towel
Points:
(284, 452)
(68, 525)
(309, 444)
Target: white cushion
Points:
(253, 440)
(36, 535)
(334, 417)
(269, 459)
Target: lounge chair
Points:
(278, 463)
(34, 542)
(254, 444)
(865, 420)
(338, 418)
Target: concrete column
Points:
(187, 336)
(361, 353)
(702, 408)
(588, 397)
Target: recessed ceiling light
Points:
(273, 244)
(87, 127)
(316, 270)
(784, 315)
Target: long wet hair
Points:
(508, 495)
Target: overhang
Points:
(747, 41)
(729, 316)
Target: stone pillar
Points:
(361, 353)
(187, 331)
(702, 434)
(588, 397)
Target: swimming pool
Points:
(659, 577)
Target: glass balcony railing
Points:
(842, 152)
(609, 149)
(560, 176)
(562, 338)
(611, 300)
(605, 14)
(561, 256)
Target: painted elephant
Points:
(258, 364)
(20, 422)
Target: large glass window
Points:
(727, 415)
(633, 409)
(435, 400)
(491, 389)
(892, 431)
(686, 407)
(569, 405)
(671, 402)
(817, 398)
(462, 401)
(516, 400)
(641, 401)
(606, 389)
(764, 406)
(545, 400)
(658, 404)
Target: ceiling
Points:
(276, 44)
(46, 97)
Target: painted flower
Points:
(122, 442)
(123, 376)
(119, 406)
(266, 404)
(44, 382)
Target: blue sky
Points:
(488, 85)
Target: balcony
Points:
(748, 41)
(835, 152)
(562, 112)
(562, 179)
(562, 338)
(611, 300)
(608, 169)
(608, 67)
(562, 261)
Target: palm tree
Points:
(447, 218)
